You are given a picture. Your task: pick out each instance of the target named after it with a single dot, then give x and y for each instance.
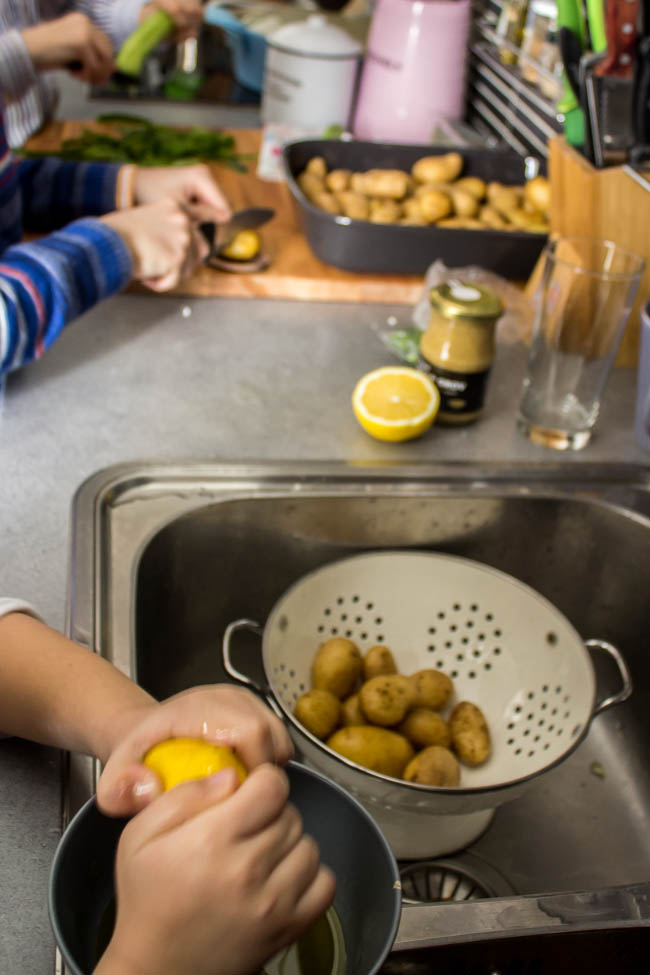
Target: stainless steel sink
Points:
(164, 557)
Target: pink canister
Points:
(414, 70)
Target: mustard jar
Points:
(458, 346)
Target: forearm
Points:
(55, 692)
(44, 285)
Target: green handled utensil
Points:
(572, 36)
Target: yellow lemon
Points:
(180, 759)
(395, 402)
(243, 247)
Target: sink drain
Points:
(462, 878)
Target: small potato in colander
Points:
(470, 735)
(432, 689)
(386, 699)
(433, 766)
(424, 727)
(351, 713)
(377, 661)
(374, 748)
(319, 711)
(336, 667)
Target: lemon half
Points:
(395, 403)
(181, 759)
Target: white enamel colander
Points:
(506, 648)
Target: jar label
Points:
(460, 392)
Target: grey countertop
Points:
(165, 378)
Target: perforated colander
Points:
(506, 648)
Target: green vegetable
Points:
(142, 41)
(137, 140)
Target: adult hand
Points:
(164, 242)
(186, 14)
(214, 880)
(218, 713)
(191, 186)
(72, 39)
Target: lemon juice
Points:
(320, 951)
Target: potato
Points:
(537, 192)
(433, 766)
(473, 185)
(437, 169)
(327, 201)
(432, 689)
(386, 699)
(319, 712)
(351, 712)
(310, 184)
(491, 217)
(424, 727)
(384, 211)
(353, 205)
(378, 660)
(470, 735)
(317, 167)
(465, 203)
(522, 220)
(336, 667)
(374, 748)
(389, 184)
(338, 180)
(506, 199)
(434, 205)
(358, 183)
(462, 223)
(412, 211)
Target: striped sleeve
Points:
(17, 73)
(43, 285)
(55, 192)
(117, 18)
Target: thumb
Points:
(128, 792)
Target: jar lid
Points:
(315, 36)
(455, 298)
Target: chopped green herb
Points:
(596, 769)
(137, 140)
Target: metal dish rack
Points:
(502, 106)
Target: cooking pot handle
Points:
(623, 670)
(264, 691)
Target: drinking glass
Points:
(587, 291)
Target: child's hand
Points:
(220, 714)
(71, 39)
(213, 879)
(192, 187)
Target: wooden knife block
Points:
(608, 203)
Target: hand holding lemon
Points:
(181, 759)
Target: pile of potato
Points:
(433, 192)
(388, 722)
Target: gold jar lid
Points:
(459, 299)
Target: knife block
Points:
(613, 204)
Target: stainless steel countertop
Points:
(234, 380)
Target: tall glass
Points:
(587, 291)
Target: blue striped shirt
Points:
(46, 283)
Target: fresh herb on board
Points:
(136, 140)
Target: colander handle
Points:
(264, 691)
(623, 670)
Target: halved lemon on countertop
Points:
(178, 760)
(395, 403)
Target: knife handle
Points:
(620, 28)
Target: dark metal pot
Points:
(368, 898)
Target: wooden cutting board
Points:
(293, 272)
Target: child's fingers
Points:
(258, 801)
(176, 807)
(272, 845)
(125, 790)
(315, 899)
